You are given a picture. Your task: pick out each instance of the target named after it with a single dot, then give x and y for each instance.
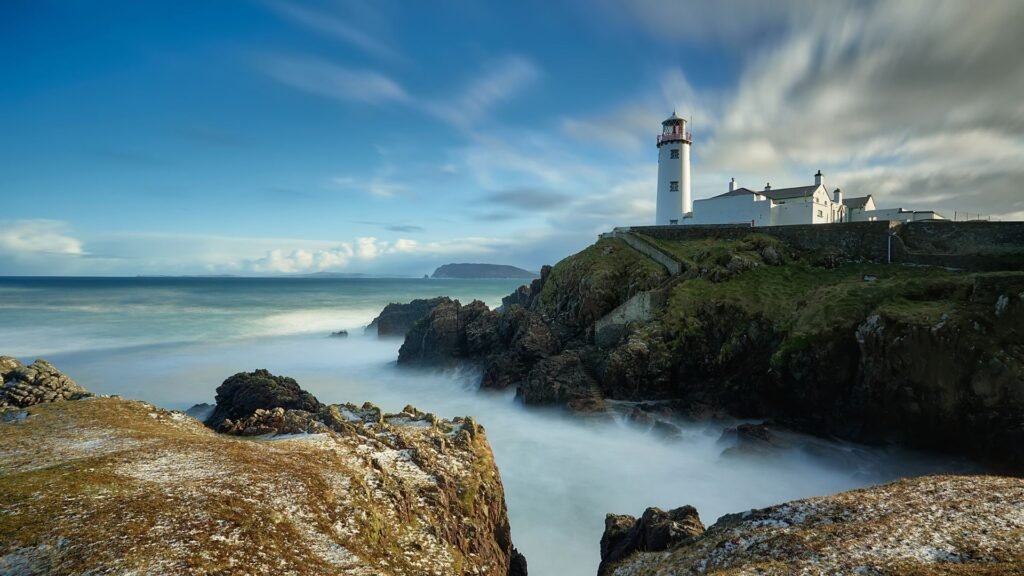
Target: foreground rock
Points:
(36, 383)
(395, 320)
(928, 525)
(114, 486)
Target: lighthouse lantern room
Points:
(674, 201)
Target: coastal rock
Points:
(655, 531)
(244, 393)
(118, 486)
(561, 379)
(439, 338)
(926, 525)
(395, 320)
(36, 383)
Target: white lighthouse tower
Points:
(674, 202)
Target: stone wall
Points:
(965, 245)
(975, 246)
(670, 262)
(858, 240)
(610, 328)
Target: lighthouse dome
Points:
(673, 119)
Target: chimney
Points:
(838, 196)
(767, 186)
(732, 185)
(819, 178)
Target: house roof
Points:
(736, 192)
(779, 194)
(858, 202)
(784, 193)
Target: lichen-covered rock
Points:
(396, 319)
(242, 394)
(36, 383)
(926, 525)
(117, 486)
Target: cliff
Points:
(754, 327)
(112, 485)
(927, 525)
(481, 271)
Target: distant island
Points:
(481, 271)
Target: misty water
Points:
(172, 341)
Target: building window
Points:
(673, 186)
(673, 222)
(820, 214)
(674, 153)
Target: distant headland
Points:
(481, 271)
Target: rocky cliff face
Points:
(927, 525)
(753, 328)
(112, 485)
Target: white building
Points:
(674, 201)
(812, 204)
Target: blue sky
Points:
(281, 136)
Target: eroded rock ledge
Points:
(926, 525)
(117, 486)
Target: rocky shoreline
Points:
(276, 482)
(753, 328)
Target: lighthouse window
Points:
(673, 186)
(673, 153)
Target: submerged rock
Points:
(926, 525)
(36, 383)
(117, 486)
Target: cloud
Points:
(501, 81)
(376, 186)
(22, 238)
(364, 250)
(919, 101)
(405, 228)
(355, 23)
(527, 199)
(323, 78)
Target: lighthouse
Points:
(674, 202)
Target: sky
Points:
(383, 137)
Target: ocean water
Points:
(171, 341)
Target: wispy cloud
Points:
(356, 23)
(502, 80)
(390, 227)
(324, 78)
(527, 199)
(377, 186)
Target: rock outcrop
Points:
(655, 531)
(36, 383)
(116, 486)
(926, 525)
(395, 320)
(242, 394)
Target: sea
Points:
(172, 341)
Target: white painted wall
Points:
(670, 204)
(742, 209)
